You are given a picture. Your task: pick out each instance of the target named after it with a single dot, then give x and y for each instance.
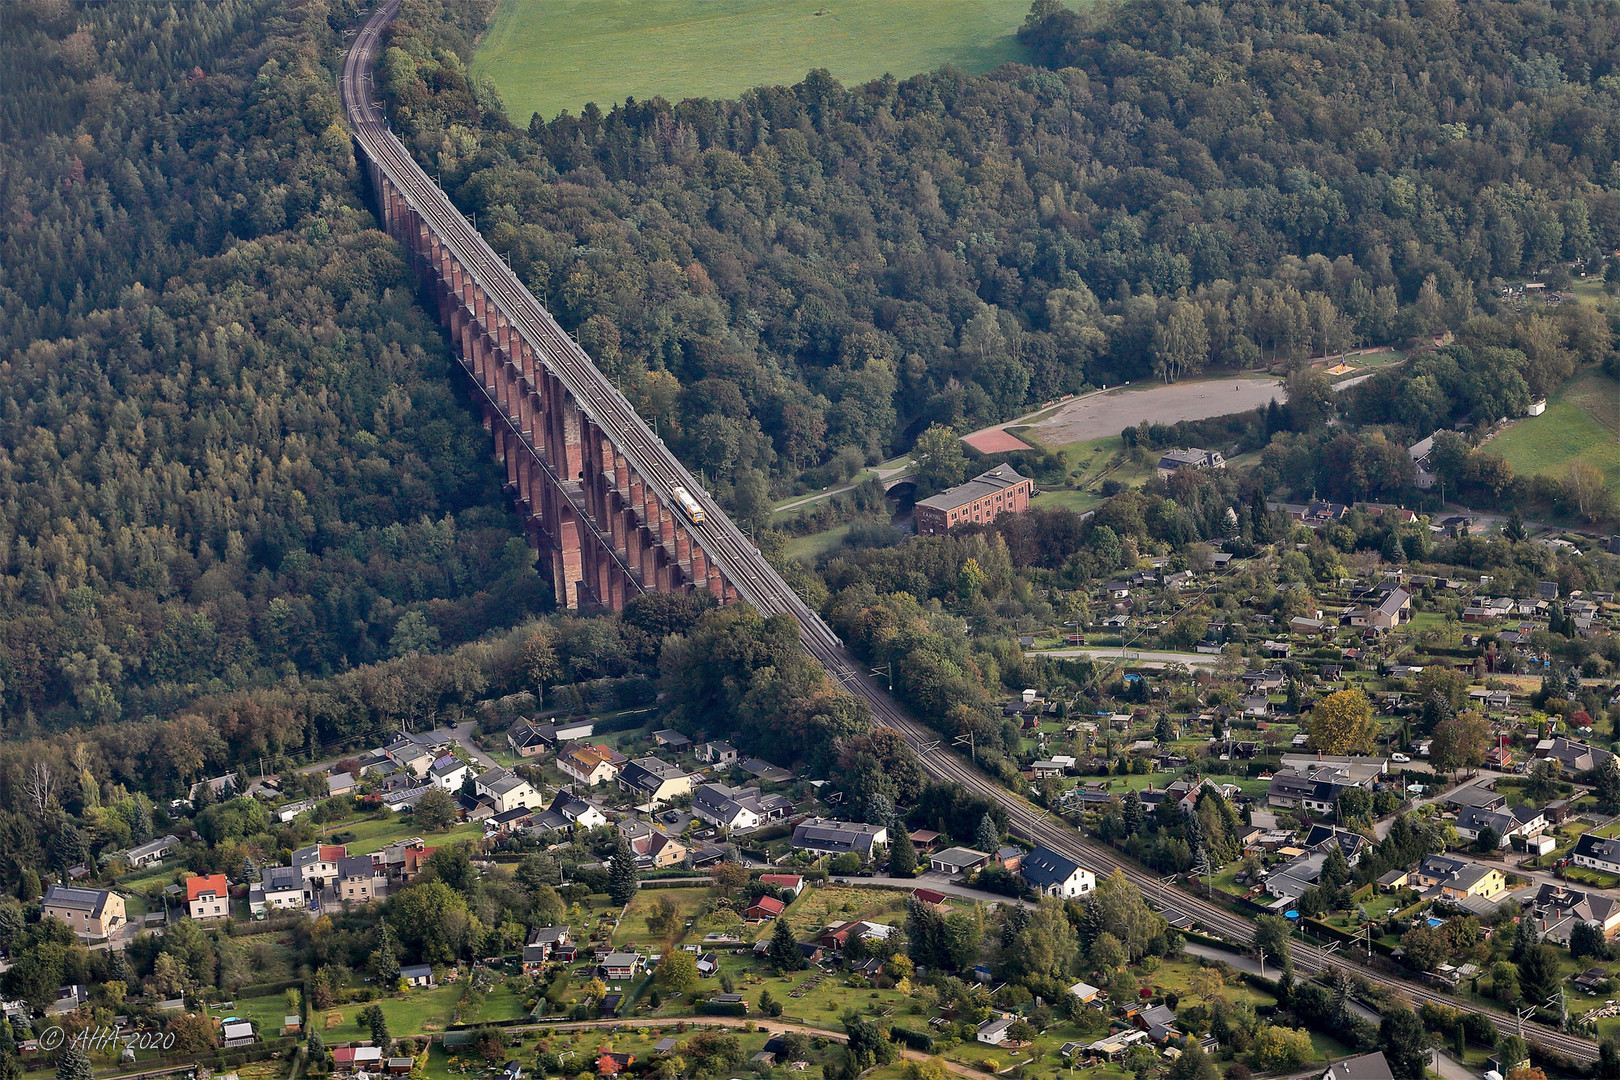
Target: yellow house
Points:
(92, 913)
(1459, 878)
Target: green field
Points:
(1582, 423)
(549, 55)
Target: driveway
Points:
(464, 740)
(941, 884)
(1147, 658)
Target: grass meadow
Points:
(1581, 424)
(550, 55)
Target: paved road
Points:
(939, 883)
(883, 472)
(1148, 658)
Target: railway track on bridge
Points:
(748, 571)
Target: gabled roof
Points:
(203, 884)
(1371, 1066)
(92, 901)
(1044, 868)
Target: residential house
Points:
(506, 789)
(654, 781)
(957, 860)
(588, 765)
(410, 754)
(1596, 853)
(1371, 1066)
(577, 811)
(1556, 909)
(717, 753)
(357, 880)
(279, 888)
(152, 852)
(449, 773)
(1350, 844)
(1476, 796)
(1507, 823)
(825, 836)
(525, 740)
(1053, 874)
(653, 848)
(788, 883)
(1190, 458)
(318, 864)
(90, 913)
(544, 944)
(619, 966)
(208, 897)
(738, 809)
(1572, 756)
(674, 741)
(339, 784)
(1457, 879)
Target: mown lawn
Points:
(1581, 424)
(367, 834)
(546, 56)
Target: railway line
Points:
(748, 571)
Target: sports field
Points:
(549, 55)
(1582, 423)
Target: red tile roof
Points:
(211, 883)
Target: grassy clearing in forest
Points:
(1581, 424)
(549, 55)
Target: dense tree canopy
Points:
(812, 275)
(230, 445)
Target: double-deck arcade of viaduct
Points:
(608, 534)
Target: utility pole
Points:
(971, 744)
(1521, 1014)
(1262, 953)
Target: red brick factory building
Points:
(981, 499)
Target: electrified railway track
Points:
(748, 571)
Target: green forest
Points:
(232, 449)
(803, 279)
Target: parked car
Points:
(1400, 758)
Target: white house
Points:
(1056, 875)
(994, 1032)
(506, 790)
(449, 773)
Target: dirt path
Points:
(773, 1027)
